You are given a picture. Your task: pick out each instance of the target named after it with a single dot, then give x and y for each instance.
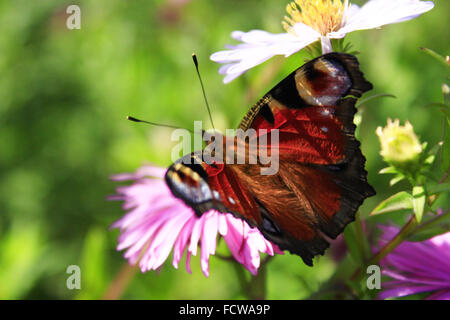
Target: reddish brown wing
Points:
(204, 187)
(313, 110)
(321, 180)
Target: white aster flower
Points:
(308, 22)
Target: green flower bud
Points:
(399, 144)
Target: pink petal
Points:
(404, 291)
(180, 244)
(158, 222)
(208, 243)
(440, 295)
(195, 235)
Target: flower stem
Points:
(256, 288)
(120, 282)
(390, 246)
(432, 222)
(241, 277)
(326, 45)
(408, 229)
(362, 241)
(258, 285)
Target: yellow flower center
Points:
(323, 16)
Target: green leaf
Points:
(430, 159)
(396, 179)
(430, 233)
(431, 228)
(419, 198)
(388, 170)
(443, 187)
(399, 201)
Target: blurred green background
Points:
(64, 95)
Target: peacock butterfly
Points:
(320, 182)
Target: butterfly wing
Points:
(204, 187)
(321, 180)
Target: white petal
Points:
(224, 68)
(250, 62)
(237, 35)
(350, 11)
(258, 46)
(377, 13)
(230, 77)
(326, 45)
(263, 37)
(305, 32)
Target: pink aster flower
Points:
(309, 21)
(417, 267)
(158, 223)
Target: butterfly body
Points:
(320, 179)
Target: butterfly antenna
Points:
(194, 57)
(156, 124)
